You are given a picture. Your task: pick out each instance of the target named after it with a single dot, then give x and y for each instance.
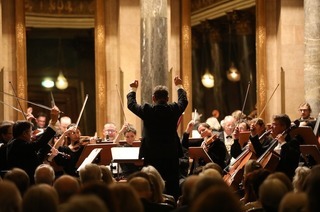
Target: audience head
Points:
(312, 187)
(20, 178)
(142, 187)
(151, 170)
(301, 174)
(252, 182)
(160, 94)
(125, 197)
(251, 166)
(294, 202)
(44, 174)
(39, 198)
(210, 173)
(84, 203)
(218, 198)
(204, 183)
(6, 131)
(271, 193)
(100, 190)
(66, 186)
(283, 178)
(90, 172)
(10, 197)
(187, 188)
(212, 165)
(107, 176)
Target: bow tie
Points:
(229, 136)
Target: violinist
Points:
(288, 148)
(129, 133)
(305, 115)
(21, 151)
(72, 150)
(215, 148)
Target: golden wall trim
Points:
(100, 63)
(261, 57)
(21, 64)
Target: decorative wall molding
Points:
(217, 8)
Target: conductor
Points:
(160, 145)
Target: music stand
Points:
(125, 155)
(91, 157)
(105, 156)
(312, 151)
(307, 134)
(197, 153)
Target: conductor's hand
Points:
(134, 84)
(177, 81)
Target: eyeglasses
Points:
(303, 110)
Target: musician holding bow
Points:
(21, 151)
(288, 148)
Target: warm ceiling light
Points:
(207, 80)
(233, 74)
(47, 83)
(61, 82)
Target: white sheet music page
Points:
(125, 153)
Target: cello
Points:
(270, 159)
(234, 176)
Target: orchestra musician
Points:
(129, 133)
(288, 148)
(236, 147)
(21, 151)
(215, 148)
(73, 150)
(305, 115)
(260, 138)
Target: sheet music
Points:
(93, 154)
(125, 153)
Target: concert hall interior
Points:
(97, 46)
(240, 102)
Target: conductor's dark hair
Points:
(161, 94)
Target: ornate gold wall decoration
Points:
(60, 7)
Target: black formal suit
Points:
(23, 154)
(160, 145)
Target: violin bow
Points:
(268, 101)
(15, 94)
(32, 103)
(82, 109)
(12, 107)
(52, 100)
(122, 107)
(245, 100)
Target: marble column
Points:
(312, 54)
(154, 46)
